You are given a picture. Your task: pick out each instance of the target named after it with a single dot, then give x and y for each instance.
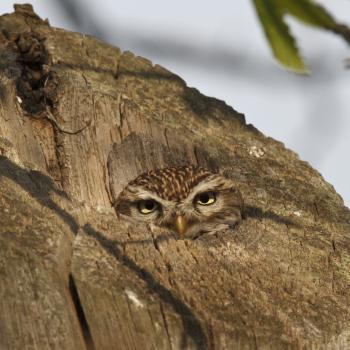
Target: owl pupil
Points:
(149, 205)
(204, 198)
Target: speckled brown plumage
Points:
(185, 200)
(173, 183)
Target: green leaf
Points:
(307, 11)
(271, 14)
(277, 32)
(315, 15)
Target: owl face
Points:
(186, 200)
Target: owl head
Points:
(186, 200)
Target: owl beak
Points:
(181, 225)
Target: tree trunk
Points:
(79, 119)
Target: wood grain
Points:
(78, 120)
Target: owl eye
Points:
(147, 206)
(206, 198)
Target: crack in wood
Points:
(191, 324)
(84, 326)
(49, 116)
(165, 324)
(166, 138)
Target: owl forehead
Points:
(173, 183)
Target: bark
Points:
(78, 120)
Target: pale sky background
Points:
(219, 48)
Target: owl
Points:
(186, 200)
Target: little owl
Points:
(186, 200)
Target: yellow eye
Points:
(206, 198)
(147, 206)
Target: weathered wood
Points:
(37, 310)
(78, 120)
